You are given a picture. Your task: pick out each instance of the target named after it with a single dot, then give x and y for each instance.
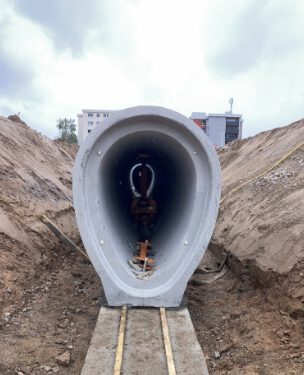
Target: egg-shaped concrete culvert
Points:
(186, 188)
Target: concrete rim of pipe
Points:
(188, 187)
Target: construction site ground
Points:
(248, 321)
(58, 310)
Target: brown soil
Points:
(56, 312)
(268, 211)
(261, 225)
(246, 325)
(50, 295)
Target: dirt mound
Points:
(49, 296)
(35, 177)
(261, 225)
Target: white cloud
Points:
(189, 56)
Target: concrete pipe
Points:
(186, 188)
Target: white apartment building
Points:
(88, 119)
(221, 128)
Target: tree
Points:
(67, 130)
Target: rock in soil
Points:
(64, 359)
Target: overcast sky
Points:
(60, 56)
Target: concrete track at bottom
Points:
(144, 348)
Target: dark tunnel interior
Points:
(173, 190)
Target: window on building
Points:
(90, 123)
(89, 131)
(204, 125)
(97, 122)
(105, 115)
(232, 121)
(230, 137)
(98, 114)
(90, 114)
(232, 129)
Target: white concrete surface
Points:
(144, 352)
(101, 353)
(187, 190)
(189, 360)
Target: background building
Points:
(220, 128)
(88, 119)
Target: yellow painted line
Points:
(167, 342)
(120, 342)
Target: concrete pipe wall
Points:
(187, 192)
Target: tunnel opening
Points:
(173, 191)
(187, 190)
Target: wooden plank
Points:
(167, 342)
(120, 343)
